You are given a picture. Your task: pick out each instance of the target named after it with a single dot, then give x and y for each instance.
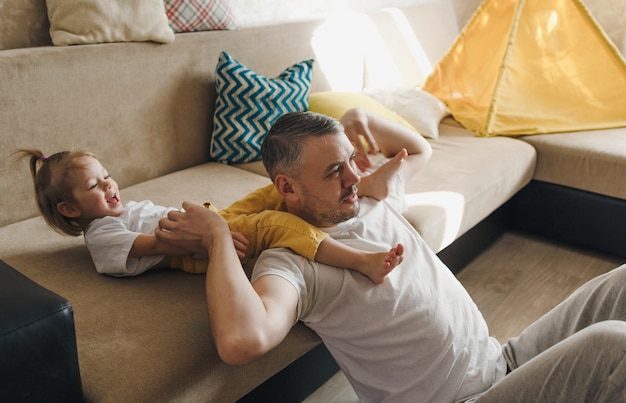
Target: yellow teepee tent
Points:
(532, 66)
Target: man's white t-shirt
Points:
(417, 337)
(109, 239)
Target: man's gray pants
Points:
(574, 353)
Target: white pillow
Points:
(421, 109)
(96, 21)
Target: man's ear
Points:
(68, 209)
(285, 186)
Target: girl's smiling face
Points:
(95, 193)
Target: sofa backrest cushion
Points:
(144, 109)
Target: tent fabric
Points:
(524, 67)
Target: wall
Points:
(260, 12)
(24, 23)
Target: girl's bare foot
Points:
(378, 184)
(382, 263)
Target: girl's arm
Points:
(149, 245)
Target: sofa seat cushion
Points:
(466, 179)
(147, 338)
(594, 161)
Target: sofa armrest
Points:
(38, 355)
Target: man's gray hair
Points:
(281, 150)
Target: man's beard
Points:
(316, 208)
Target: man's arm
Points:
(390, 138)
(246, 320)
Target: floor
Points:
(515, 281)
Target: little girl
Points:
(76, 195)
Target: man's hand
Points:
(194, 228)
(246, 322)
(356, 127)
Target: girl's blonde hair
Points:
(53, 185)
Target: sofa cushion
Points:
(466, 179)
(130, 106)
(199, 15)
(89, 21)
(248, 103)
(594, 161)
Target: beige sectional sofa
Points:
(146, 111)
(577, 193)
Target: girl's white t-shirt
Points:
(109, 239)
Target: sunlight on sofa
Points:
(450, 205)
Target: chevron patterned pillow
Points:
(199, 15)
(248, 104)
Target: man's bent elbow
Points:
(240, 351)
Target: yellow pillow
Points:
(336, 103)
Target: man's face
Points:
(327, 184)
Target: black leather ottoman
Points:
(38, 357)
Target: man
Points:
(416, 337)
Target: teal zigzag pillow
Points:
(248, 104)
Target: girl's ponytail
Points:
(53, 185)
